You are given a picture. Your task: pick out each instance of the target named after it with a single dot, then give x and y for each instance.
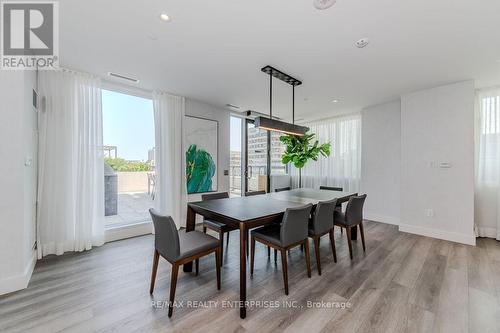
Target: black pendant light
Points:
(271, 124)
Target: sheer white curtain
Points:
(171, 192)
(487, 196)
(343, 167)
(71, 164)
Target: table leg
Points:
(190, 225)
(243, 271)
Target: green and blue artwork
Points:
(200, 169)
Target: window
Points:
(128, 137)
(488, 138)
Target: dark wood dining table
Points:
(254, 211)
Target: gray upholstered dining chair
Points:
(216, 226)
(352, 217)
(291, 233)
(288, 188)
(179, 248)
(321, 224)
(338, 189)
(252, 193)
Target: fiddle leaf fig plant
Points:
(300, 149)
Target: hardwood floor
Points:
(403, 283)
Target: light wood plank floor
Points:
(403, 283)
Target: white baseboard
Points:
(381, 218)
(440, 234)
(486, 232)
(20, 281)
(128, 231)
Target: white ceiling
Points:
(213, 50)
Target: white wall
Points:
(203, 110)
(381, 161)
(437, 126)
(18, 182)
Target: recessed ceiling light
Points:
(164, 17)
(323, 4)
(362, 42)
(335, 101)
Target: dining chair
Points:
(339, 205)
(288, 188)
(352, 217)
(292, 232)
(320, 224)
(331, 188)
(252, 193)
(179, 248)
(216, 226)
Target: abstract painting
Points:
(201, 154)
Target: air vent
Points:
(232, 106)
(123, 77)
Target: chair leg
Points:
(227, 238)
(308, 258)
(316, 253)
(154, 270)
(197, 261)
(341, 230)
(349, 241)
(252, 255)
(204, 229)
(285, 270)
(362, 231)
(301, 247)
(173, 285)
(221, 239)
(218, 256)
(332, 242)
(269, 252)
(275, 256)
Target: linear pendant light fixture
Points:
(271, 124)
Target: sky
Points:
(235, 131)
(128, 124)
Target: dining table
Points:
(250, 212)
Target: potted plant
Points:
(300, 149)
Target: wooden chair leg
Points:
(284, 266)
(301, 247)
(275, 256)
(316, 253)
(252, 255)
(204, 229)
(173, 285)
(218, 256)
(221, 239)
(308, 258)
(362, 231)
(332, 243)
(197, 261)
(341, 230)
(269, 252)
(156, 256)
(227, 238)
(349, 241)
